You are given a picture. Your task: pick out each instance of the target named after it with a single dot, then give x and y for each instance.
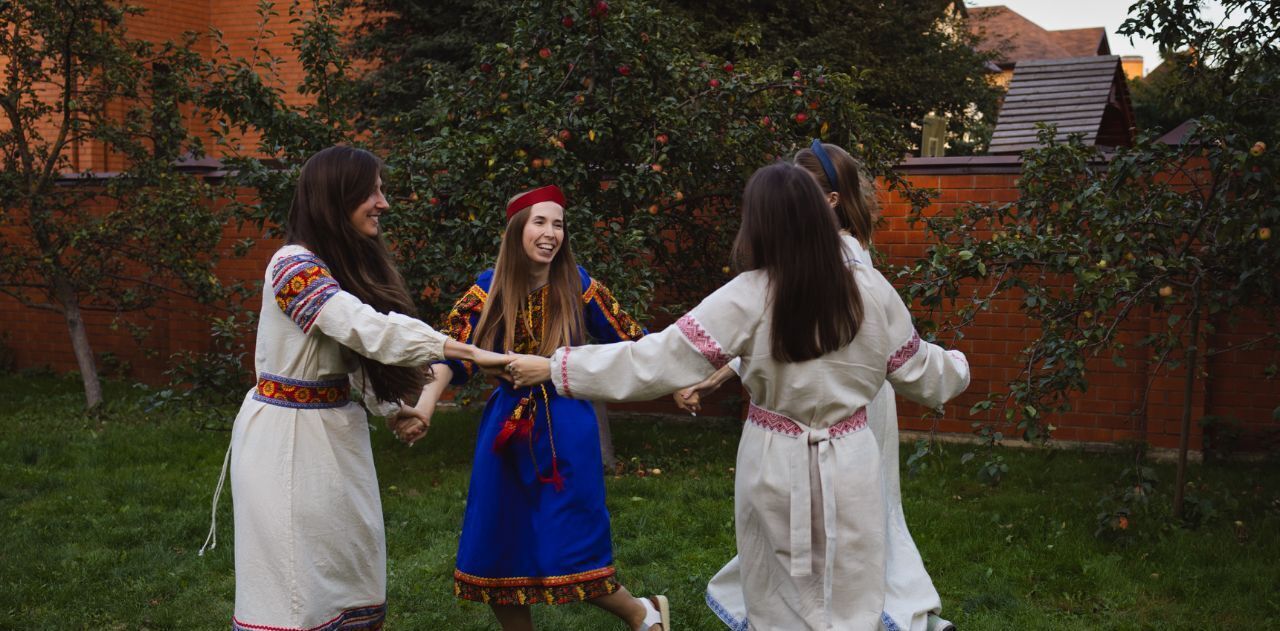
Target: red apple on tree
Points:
(661, 138)
(567, 21)
(545, 53)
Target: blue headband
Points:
(827, 166)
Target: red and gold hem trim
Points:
(553, 590)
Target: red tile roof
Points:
(1016, 38)
(1083, 42)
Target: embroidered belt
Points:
(297, 393)
(775, 422)
(801, 492)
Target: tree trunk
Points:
(80, 343)
(1184, 437)
(607, 455)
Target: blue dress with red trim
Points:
(536, 529)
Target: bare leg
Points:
(625, 606)
(513, 617)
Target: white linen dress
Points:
(909, 592)
(809, 497)
(309, 542)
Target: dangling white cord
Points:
(211, 541)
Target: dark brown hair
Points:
(332, 185)
(789, 231)
(857, 208)
(510, 287)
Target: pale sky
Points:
(1056, 15)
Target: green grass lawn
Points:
(102, 519)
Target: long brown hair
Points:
(857, 208)
(510, 287)
(789, 231)
(332, 185)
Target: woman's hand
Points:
(528, 370)
(690, 399)
(492, 363)
(410, 424)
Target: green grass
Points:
(102, 519)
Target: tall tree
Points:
(74, 79)
(912, 57)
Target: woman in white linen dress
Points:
(809, 492)
(911, 601)
(310, 550)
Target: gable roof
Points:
(1085, 95)
(1083, 42)
(1015, 38)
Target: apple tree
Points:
(651, 141)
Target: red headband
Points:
(545, 194)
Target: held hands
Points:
(527, 370)
(690, 399)
(409, 424)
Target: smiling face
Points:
(365, 217)
(543, 233)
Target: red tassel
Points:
(555, 479)
(518, 425)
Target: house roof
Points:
(1083, 42)
(1084, 95)
(1015, 38)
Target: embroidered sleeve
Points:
(460, 325)
(663, 362)
(920, 371)
(701, 340)
(606, 319)
(302, 285)
(904, 353)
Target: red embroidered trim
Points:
(554, 590)
(623, 324)
(774, 422)
(850, 425)
(703, 341)
(564, 372)
(302, 285)
(367, 618)
(906, 352)
(295, 393)
(457, 324)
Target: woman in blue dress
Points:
(536, 528)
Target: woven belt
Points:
(297, 393)
(775, 422)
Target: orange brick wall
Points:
(1113, 409)
(1233, 384)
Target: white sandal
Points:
(656, 611)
